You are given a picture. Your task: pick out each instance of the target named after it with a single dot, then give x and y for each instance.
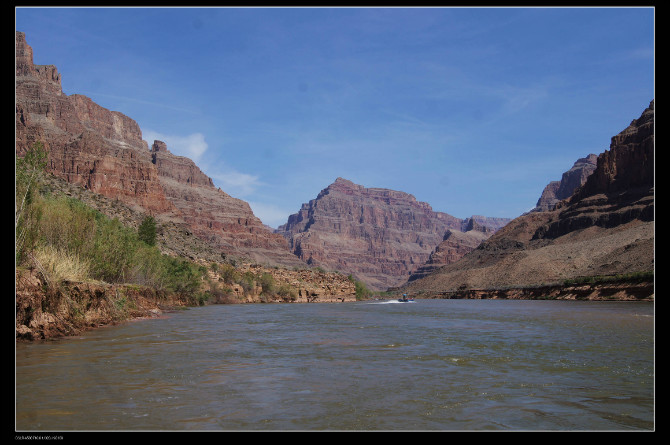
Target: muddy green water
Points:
(428, 365)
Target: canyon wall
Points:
(88, 145)
(557, 191)
(215, 216)
(379, 235)
(103, 151)
(605, 228)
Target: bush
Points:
(26, 214)
(285, 290)
(229, 274)
(147, 231)
(181, 276)
(267, 283)
(113, 251)
(361, 289)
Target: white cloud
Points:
(192, 146)
(270, 214)
(235, 183)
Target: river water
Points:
(447, 365)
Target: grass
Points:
(59, 265)
(634, 277)
(70, 241)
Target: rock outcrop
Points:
(378, 235)
(557, 191)
(605, 228)
(88, 145)
(456, 245)
(103, 151)
(214, 216)
(621, 188)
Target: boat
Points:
(405, 299)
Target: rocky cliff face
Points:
(378, 235)
(215, 216)
(557, 191)
(605, 228)
(456, 245)
(88, 145)
(621, 188)
(103, 151)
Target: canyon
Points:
(380, 236)
(605, 228)
(598, 219)
(103, 151)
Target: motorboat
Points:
(405, 299)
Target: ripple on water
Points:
(441, 365)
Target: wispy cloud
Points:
(142, 102)
(192, 146)
(236, 183)
(270, 214)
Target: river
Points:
(442, 365)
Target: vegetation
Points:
(635, 277)
(26, 214)
(362, 290)
(68, 240)
(147, 231)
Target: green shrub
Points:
(181, 276)
(285, 290)
(147, 231)
(267, 283)
(229, 274)
(27, 215)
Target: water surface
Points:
(427, 365)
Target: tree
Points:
(147, 231)
(26, 214)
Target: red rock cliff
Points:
(605, 228)
(572, 179)
(213, 215)
(103, 151)
(88, 145)
(378, 235)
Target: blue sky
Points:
(472, 110)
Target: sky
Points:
(472, 110)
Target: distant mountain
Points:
(605, 227)
(103, 151)
(556, 191)
(378, 235)
(455, 245)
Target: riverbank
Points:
(52, 310)
(46, 311)
(643, 291)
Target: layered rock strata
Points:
(621, 188)
(378, 235)
(215, 216)
(557, 191)
(103, 151)
(88, 145)
(454, 246)
(605, 228)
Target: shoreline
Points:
(643, 291)
(68, 309)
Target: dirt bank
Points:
(46, 311)
(50, 311)
(601, 292)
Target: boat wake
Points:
(390, 302)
